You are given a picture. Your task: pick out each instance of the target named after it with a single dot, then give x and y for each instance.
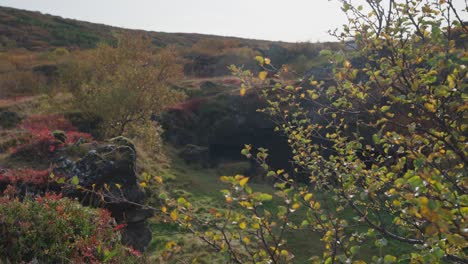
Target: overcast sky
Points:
(293, 20)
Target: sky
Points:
(285, 20)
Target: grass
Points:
(202, 186)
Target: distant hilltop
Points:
(37, 31)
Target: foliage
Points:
(40, 136)
(27, 176)
(125, 84)
(380, 153)
(18, 82)
(149, 145)
(55, 229)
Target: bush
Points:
(21, 83)
(25, 176)
(381, 147)
(41, 142)
(54, 230)
(124, 84)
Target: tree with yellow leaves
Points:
(380, 152)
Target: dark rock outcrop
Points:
(9, 119)
(223, 125)
(110, 169)
(195, 154)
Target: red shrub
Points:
(38, 123)
(39, 146)
(28, 176)
(73, 137)
(41, 143)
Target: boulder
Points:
(193, 154)
(110, 168)
(59, 135)
(9, 119)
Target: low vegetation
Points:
(347, 152)
(59, 230)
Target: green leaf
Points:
(263, 197)
(389, 259)
(381, 242)
(60, 180)
(260, 60)
(385, 108)
(75, 180)
(244, 152)
(108, 255)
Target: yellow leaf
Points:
(164, 209)
(225, 179)
(246, 240)
(316, 206)
(267, 61)
(296, 206)
(244, 181)
(256, 226)
(262, 75)
(242, 225)
(174, 215)
(347, 64)
(242, 91)
(170, 244)
(260, 60)
(430, 107)
(238, 177)
(143, 184)
(245, 204)
(158, 179)
(308, 196)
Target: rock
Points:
(9, 119)
(111, 168)
(123, 141)
(208, 85)
(137, 235)
(224, 124)
(59, 135)
(193, 154)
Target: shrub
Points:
(124, 84)
(21, 83)
(52, 229)
(382, 149)
(27, 176)
(41, 142)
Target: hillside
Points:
(37, 31)
(131, 146)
